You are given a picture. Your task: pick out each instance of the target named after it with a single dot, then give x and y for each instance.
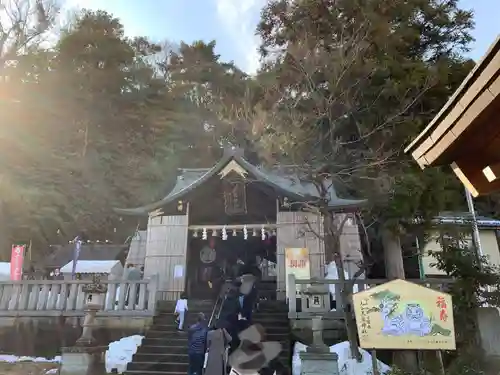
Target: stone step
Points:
(163, 349)
(169, 318)
(165, 341)
(163, 330)
(192, 305)
(165, 357)
(271, 321)
(177, 366)
(152, 372)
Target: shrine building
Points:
(234, 211)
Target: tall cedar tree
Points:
(348, 84)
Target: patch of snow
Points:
(333, 274)
(120, 353)
(347, 365)
(14, 358)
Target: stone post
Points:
(319, 363)
(86, 357)
(317, 359)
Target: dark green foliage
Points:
(371, 75)
(476, 284)
(102, 121)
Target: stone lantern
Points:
(317, 359)
(86, 357)
(317, 304)
(95, 293)
(317, 299)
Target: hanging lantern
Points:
(263, 234)
(274, 232)
(180, 206)
(214, 233)
(235, 233)
(224, 233)
(195, 234)
(97, 241)
(254, 232)
(204, 234)
(114, 230)
(245, 232)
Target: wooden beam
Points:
(464, 179)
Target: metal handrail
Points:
(214, 317)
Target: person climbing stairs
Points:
(164, 349)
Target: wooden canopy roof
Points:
(466, 132)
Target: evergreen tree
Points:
(349, 83)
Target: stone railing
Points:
(296, 297)
(67, 297)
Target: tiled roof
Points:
(283, 181)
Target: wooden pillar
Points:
(350, 244)
(166, 251)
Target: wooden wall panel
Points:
(293, 231)
(166, 248)
(350, 244)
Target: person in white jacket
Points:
(180, 310)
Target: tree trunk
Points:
(332, 253)
(393, 256)
(394, 269)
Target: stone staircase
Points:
(273, 316)
(164, 350)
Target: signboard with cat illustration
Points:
(403, 315)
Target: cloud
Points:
(240, 19)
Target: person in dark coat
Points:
(230, 311)
(248, 294)
(197, 345)
(217, 280)
(249, 304)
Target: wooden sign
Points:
(297, 262)
(403, 315)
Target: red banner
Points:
(16, 262)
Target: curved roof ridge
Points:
(289, 185)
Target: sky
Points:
(232, 23)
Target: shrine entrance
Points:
(224, 257)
